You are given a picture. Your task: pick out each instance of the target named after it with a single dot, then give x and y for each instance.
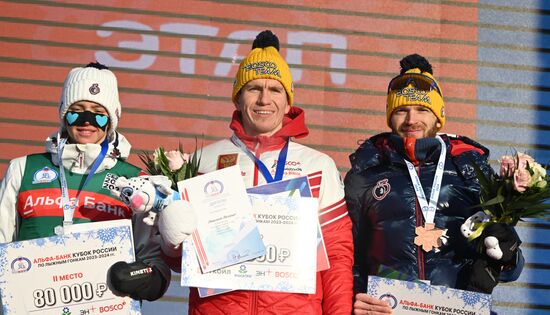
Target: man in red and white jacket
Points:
(263, 124)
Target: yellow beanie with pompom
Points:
(264, 62)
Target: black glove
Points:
(138, 280)
(483, 275)
(508, 242)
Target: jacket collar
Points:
(78, 158)
(384, 148)
(293, 126)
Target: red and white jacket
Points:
(334, 293)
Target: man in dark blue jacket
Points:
(407, 211)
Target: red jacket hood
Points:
(293, 126)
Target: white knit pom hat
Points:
(94, 83)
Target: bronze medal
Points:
(428, 237)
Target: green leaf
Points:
(496, 200)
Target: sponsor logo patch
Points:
(109, 181)
(381, 190)
(291, 167)
(44, 175)
(94, 89)
(227, 160)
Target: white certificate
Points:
(289, 230)
(226, 232)
(67, 274)
(296, 187)
(406, 297)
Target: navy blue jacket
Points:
(383, 207)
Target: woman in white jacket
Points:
(87, 150)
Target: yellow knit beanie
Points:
(415, 86)
(264, 62)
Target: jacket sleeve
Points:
(147, 246)
(336, 229)
(355, 188)
(9, 191)
(513, 272)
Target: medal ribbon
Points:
(429, 209)
(281, 160)
(66, 204)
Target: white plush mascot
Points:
(491, 243)
(153, 195)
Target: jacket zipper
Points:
(253, 302)
(419, 251)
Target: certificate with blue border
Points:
(226, 232)
(67, 274)
(294, 187)
(407, 298)
(288, 228)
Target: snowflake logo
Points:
(410, 285)
(135, 307)
(372, 291)
(39, 242)
(57, 240)
(77, 236)
(425, 288)
(16, 245)
(284, 286)
(387, 281)
(3, 259)
(106, 235)
(470, 298)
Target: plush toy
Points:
(500, 248)
(175, 224)
(150, 194)
(176, 217)
(470, 226)
(494, 237)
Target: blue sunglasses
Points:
(418, 80)
(81, 118)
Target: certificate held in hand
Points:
(67, 274)
(226, 232)
(289, 229)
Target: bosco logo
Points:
(112, 308)
(288, 163)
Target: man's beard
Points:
(432, 132)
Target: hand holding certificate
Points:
(68, 273)
(226, 231)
